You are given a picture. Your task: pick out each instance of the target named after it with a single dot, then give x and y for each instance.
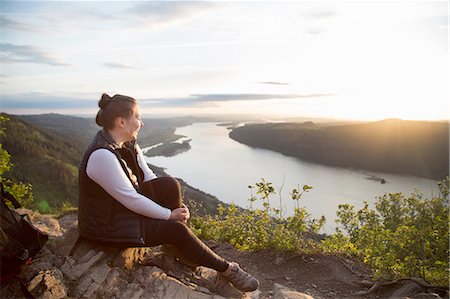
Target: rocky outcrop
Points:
(70, 267)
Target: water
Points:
(223, 167)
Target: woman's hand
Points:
(180, 214)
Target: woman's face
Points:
(133, 124)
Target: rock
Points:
(66, 268)
(132, 291)
(112, 285)
(426, 296)
(278, 260)
(203, 290)
(68, 241)
(407, 290)
(159, 285)
(41, 262)
(71, 267)
(48, 284)
(69, 221)
(76, 271)
(90, 283)
(252, 295)
(282, 292)
(45, 223)
(121, 257)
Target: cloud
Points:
(315, 30)
(196, 99)
(115, 65)
(73, 16)
(273, 83)
(50, 102)
(246, 97)
(6, 23)
(28, 54)
(44, 101)
(320, 13)
(163, 12)
(441, 22)
(318, 18)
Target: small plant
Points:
(253, 229)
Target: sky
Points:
(358, 60)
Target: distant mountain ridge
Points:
(394, 146)
(81, 130)
(74, 130)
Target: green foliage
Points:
(5, 164)
(21, 191)
(253, 229)
(42, 160)
(339, 243)
(402, 236)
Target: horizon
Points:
(349, 61)
(244, 117)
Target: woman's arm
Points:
(148, 173)
(104, 168)
(180, 214)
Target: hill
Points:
(81, 130)
(46, 150)
(45, 160)
(75, 131)
(394, 146)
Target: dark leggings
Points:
(167, 192)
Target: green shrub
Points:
(402, 236)
(254, 229)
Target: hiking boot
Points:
(240, 279)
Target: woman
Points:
(122, 201)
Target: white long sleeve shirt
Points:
(104, 168)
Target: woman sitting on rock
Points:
(122, 201)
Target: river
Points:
(218, 165)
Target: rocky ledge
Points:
(68, 267)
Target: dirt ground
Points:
(321, 276)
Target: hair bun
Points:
(104, 101)
(99, 118)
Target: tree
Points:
(21, 191)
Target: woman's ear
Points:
(119, 122)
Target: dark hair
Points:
(113, 107)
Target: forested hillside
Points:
(81, 130)
(393, 146)
(76, 131)
(45, 160)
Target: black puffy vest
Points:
(100, 216)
